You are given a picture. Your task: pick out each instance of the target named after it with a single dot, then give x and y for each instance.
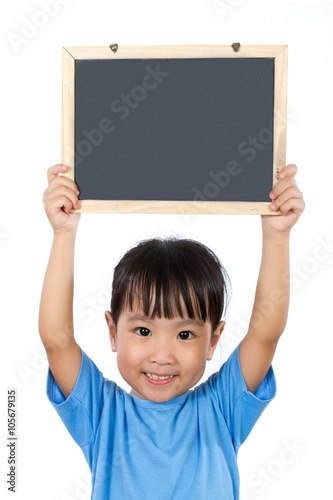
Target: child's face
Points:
(177, 347)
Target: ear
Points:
(215, 339)
(112, 330)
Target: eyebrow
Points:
(142, 317)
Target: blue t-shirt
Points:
(185, 448)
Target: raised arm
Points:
(56, 305)
(270, 309)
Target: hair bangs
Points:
(167, 298)
(168, 278)
(163, 291)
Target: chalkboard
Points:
(174, 129)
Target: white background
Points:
(50, 465)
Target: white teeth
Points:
(156, 377)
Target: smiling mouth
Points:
(152, 376)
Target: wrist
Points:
(66, 237)
(274, 235)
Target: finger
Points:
(288, 171)
(290, 192)
(59, 192)
(50, 196)
(294, 205)
(61, 180)
(283, 186)
(53, 171)
(58, 203)
(67, 205)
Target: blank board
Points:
(180, 129)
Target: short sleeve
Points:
(81, 411)
(240, 407)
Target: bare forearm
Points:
(270, 309)
(56, 305)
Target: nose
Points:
(162, 352)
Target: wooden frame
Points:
(278, 52)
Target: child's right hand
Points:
(59, 198)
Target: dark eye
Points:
(144, 332)
(185, 335)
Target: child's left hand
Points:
(287, 198)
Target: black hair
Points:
(171, 268)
